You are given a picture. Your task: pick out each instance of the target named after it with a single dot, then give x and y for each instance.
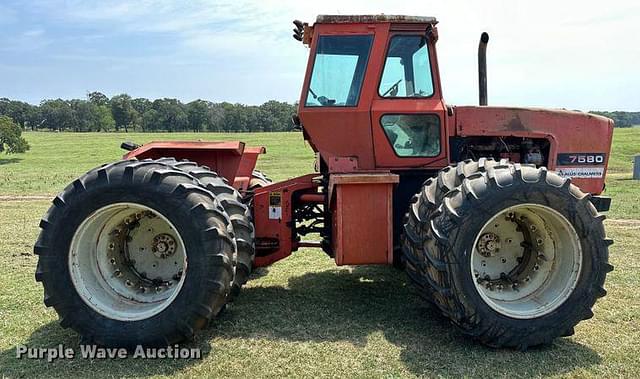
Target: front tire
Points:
(135, 252)
(517, 256)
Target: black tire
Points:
(422, 205)
(258, 180)
(449, 234)
(239, 214)
(197, 216)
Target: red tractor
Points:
(493, 212)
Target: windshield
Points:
(338, 71)
(407, 72)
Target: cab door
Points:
(407, 112)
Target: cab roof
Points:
(375, 18)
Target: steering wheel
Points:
(323, 100)
(393, 89)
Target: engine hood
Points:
(580, 142)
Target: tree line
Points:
(99, 113)
(622, 119)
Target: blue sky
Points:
(573, 54)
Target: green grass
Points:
(55, 159)
(624, 191)
(303, 316)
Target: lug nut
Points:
(533, 228)
(117, 273)
(112, 261)
(128, 283)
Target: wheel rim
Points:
(526, 261)
(127, 261)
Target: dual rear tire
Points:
(144, 252)
(513, 255)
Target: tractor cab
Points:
(373, 82)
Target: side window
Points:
(415, 135)
(407, 70)
(338, 71)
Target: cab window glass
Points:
(407, 70)
(413, 135)
(338, 71)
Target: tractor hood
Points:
(580, 142)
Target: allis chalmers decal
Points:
(584, 165)
(581, 172)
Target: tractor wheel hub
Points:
(489, 244)
(138, 259)
(163, 246)
(526, 260)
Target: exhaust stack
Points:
(482, 68)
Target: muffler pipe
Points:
(482, 68)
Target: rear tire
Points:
(503, 311)
(92, 233)
(239, 214)
(415, 259)
(258, 180)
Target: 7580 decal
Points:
(591, 159)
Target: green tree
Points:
(198, 115)
(123, 112)
(11, 140)
(18, 111)
(277, 116)
(85, 114)
(98, 98)
(57, 115)
(103, 120)
(141, 107)
(34, 118)
(150, 120)
(215, 115)
(171, 115)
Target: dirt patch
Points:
(26, 198)
(623, 223)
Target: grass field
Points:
(307, 317)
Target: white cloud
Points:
(577, 54)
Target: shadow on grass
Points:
(4, 161)
(333, 305)
(337, 305)
(51, 334)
